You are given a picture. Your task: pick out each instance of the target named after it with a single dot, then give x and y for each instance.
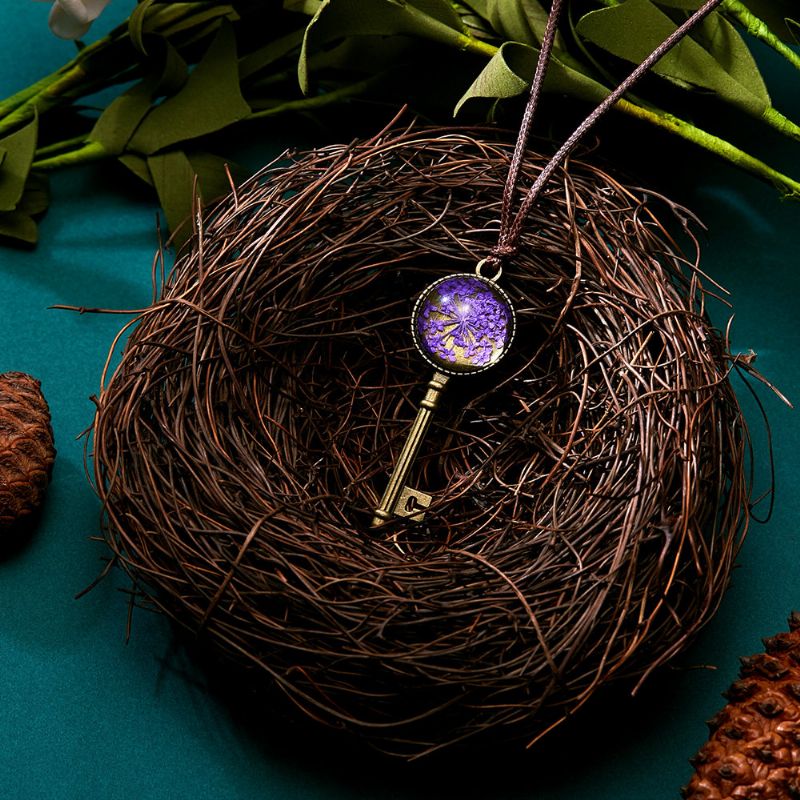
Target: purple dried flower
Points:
(463, 323)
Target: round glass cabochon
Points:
(463, 323)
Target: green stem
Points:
(759, 29)
(86, 153)
(787, 186)
(320, 100)
(12, 103)
(44, 85)
(59, 147)
(783, 124)
(64, 84)
(472, 45)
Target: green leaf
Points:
(259, 59)
(174, 180)
(794, 30)
(515, 20)
(18, 225)
(635, 28)
(336, 19)
(498, 79)
(210, 101)
(510, 71)
(19, 148)
(36, 195)
(366, 54)
(117, 124)
(480, 7)
(685, 5)
(212, 173)
(138, 166)
(307, 7)
(723, 42)
(177, 176)
(204, 21)
(272, 106)
(136, 23)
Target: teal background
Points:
(82, 714)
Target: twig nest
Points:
(588, 491)
(26, 448)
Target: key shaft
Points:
(396, 491)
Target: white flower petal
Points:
(75, 9)
(64, 25)
(95, 7)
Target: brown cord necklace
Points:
(464, 323)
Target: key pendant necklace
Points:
(464, 323)
(461, 324)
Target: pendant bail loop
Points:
(489, 260)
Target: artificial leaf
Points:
(273, 106)
(497, 80)
(474, 24)
(117, 124)
(685, 5)
(727, 47)
(480, 7)
(369, 54)
(307, 7)
(336, 19)
(515, 20)
(19, 148)
(212, 174)
(510, 20)
(209, 101)
(204, 21)
(259, 59)
(509, 72)
(138, 166)
(179, 177)
(136, 24)
(36, 195)
(635, 28)
(174, 180)
(436, 9)
(18, 225)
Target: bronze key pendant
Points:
(461, 324)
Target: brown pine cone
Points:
(26, 447)
(753, 752)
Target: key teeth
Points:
(411, 504)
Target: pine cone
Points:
(753, 752)
(26, 447)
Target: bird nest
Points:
(589, 493)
